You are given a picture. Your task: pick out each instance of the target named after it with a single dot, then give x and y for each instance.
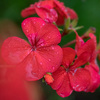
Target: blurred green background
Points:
(89, 16)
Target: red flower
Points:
(42, 55)
(46, 10)
(63, 12)
(95, 78)
(90, 48)
(70, 77)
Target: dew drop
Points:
(53, 48)
(77, 86)
(43, 24)
(40, 63)
(75, 70)
(53, 68)
(51, 10)
(49, 59)
(65, 10)
(42, 44)
(26, 30)
(46, 20)
(24, 24)
(61, 94)
(38, 6)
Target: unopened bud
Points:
(48, 78)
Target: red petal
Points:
(93, 37)
(32, 25)
(68, 56)
(66, 12)
(94, 54)
(46, 3)
(81, 60)
(51, 57)
(95, 66)
(60, 20)
(72, 14)
(48, 15)
(59, 6)
(93, 57)
(41, 61)
(79, 79)
(28, 11)
(48, 35)
(58, 76)
(89, 47)
(94, 79)
(65, 90)
(61, 9)
(79, 42)
(15, 49)
(32, 67)
(45, 34)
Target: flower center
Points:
(32, 40)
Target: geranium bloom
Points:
(42, 55)
(63, 12)
(44, 9)
(50, 11)
(90, 48)
(71, 77)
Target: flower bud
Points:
(48, 78)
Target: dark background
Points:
(89, 16)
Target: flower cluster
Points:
(64, 68)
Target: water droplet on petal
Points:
(75, 70)
(46, 20)
(24, 24)
(42, 44)
(53, 68)
(40, 63)
(53, 48)
(26, 30)
(38, 6)
(49, 59)
(61, 94)
(77, 86)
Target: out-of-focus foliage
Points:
(89, 16)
